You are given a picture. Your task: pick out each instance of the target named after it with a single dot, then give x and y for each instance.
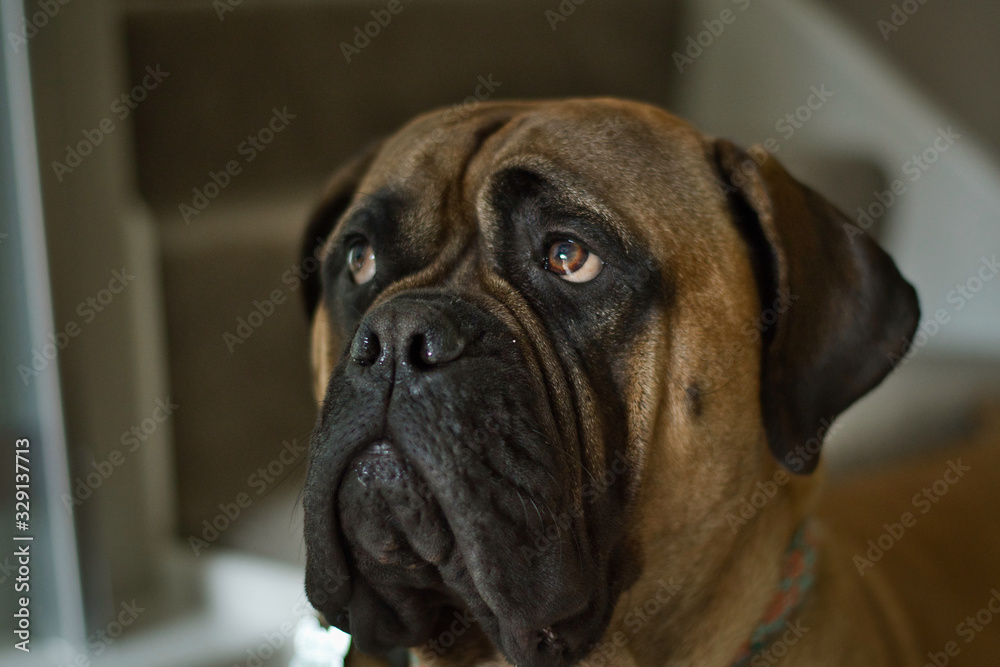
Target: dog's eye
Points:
(361, 261)
(571, 261)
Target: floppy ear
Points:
(840, 313)
(336, 198)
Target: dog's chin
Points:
(436, 625)
(450, 630)
(433, 573)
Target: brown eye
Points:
(361, 261)
(571, 261)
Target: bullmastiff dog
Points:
(575, 362)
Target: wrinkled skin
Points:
(501, 445)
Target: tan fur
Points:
(945, 568)
(696, 471)
(323, 352)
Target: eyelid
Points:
(349, 236)
(585, 222)
(348, 239)
(336, 263)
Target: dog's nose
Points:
(412, 333)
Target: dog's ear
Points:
(336, 198)
(838, 312)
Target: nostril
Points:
(366, 348)
(435, 346)
(400, 333)
(421, 351)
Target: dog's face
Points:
(545, 333)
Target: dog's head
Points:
(554, 342)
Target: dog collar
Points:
(798, 575)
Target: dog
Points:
(575, 362)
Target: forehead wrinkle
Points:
(472, 172)
(430, 159)
(426, 206)
(435, 216)
(455, 136)
(634, 159)
(569, 192)
(551, 147)
(360, 200)
(436, 272)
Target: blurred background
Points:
(160, 157)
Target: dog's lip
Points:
(328, 534)
(365, 455)
(545, 640)
(368, 456)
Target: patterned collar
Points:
(797, 579)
